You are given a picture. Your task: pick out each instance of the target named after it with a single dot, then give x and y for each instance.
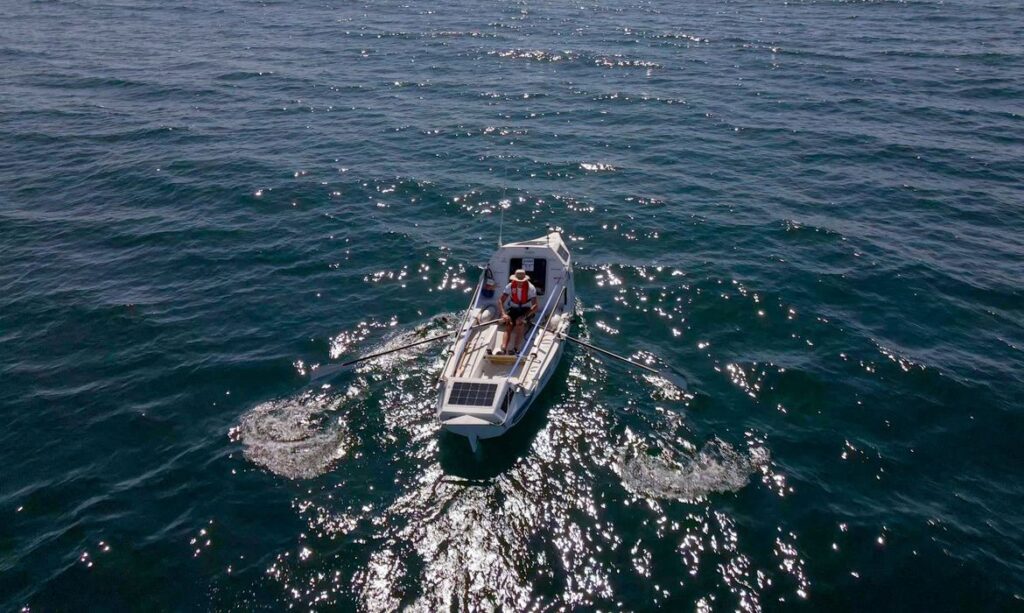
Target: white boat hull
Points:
(482, 395)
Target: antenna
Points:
(501, 203)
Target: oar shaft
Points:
(609, 353)
(380, 353)
(420, 342)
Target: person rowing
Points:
(516, 307)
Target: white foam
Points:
(716, 468)
(303, 436)
(297, 438)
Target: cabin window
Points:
(536, 268)
(563, 253)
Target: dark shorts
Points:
(518, 312)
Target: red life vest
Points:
(520, 292)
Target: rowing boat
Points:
(482, 392)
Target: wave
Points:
(614, 60)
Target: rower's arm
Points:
(501, 305)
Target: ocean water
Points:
(814, 210)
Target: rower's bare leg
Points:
(509, 329)
(520, 333)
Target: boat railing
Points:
(473, 301)
(464, 328)
(541, 321)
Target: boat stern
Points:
(474, 408)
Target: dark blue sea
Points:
(813, 210)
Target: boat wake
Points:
(297, 438)
(303, 436)
(716, 468)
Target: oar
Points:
(621, 358)
(320, 373)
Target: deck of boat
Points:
(478, 362)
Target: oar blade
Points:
(676, 378)
(664, 377)
(325, 372)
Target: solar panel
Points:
(472, 394)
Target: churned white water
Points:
(717, 468)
